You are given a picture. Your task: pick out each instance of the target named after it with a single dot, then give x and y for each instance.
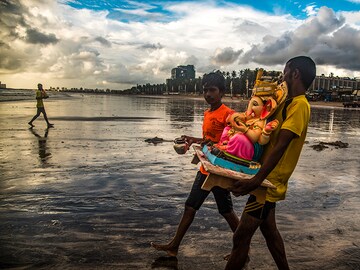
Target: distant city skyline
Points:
(227, 74)
(117, 44)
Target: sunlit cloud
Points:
(140, 43)
(311, 10)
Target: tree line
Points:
(237, 84)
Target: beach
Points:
(91, 193)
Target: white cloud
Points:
(352, 18)
(325, 37)
(225, 57)
(87, 48)
(311, 10)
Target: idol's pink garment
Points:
(238, 145)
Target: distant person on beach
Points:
(40, 95)
(213, 125)
(279, 161)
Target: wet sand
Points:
(91, 193)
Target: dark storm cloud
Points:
(151, 46)
(11, 15)
(9, 60)
(103, 41)
(14, 16)
(34, 36)
(226, 56)
(192, 60)
(326, 38)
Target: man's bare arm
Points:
(270, 161)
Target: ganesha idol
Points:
(248, 131)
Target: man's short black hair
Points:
(306, 67)
(214, 79)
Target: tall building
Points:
(2, 85)
(183, 72)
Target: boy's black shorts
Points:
(257, 210)
(197, 196)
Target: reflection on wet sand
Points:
(43, 150)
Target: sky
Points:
(118, 44)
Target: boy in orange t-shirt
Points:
(213, 125)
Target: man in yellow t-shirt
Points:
(279, 161)
(213, 125)
(40, 95)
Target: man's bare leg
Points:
(241, 242)
(185, 222)
(47, 120)
(274, 241)
(34, 118)
(232, 219)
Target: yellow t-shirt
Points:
(297, 119)
(213, 125)
(39, 98)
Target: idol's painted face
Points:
(255, 106)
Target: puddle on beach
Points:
(91, 193)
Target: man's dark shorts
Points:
(41, 110)
(257, 210)
(197, 196)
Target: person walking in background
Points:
(40, 95)
(213, 125)
(279, 161)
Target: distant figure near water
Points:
(40, 95)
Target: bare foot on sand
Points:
(226, 258)
(31, 125)
(172, 252)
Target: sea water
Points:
(91, 193)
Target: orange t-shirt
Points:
(214, 124)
